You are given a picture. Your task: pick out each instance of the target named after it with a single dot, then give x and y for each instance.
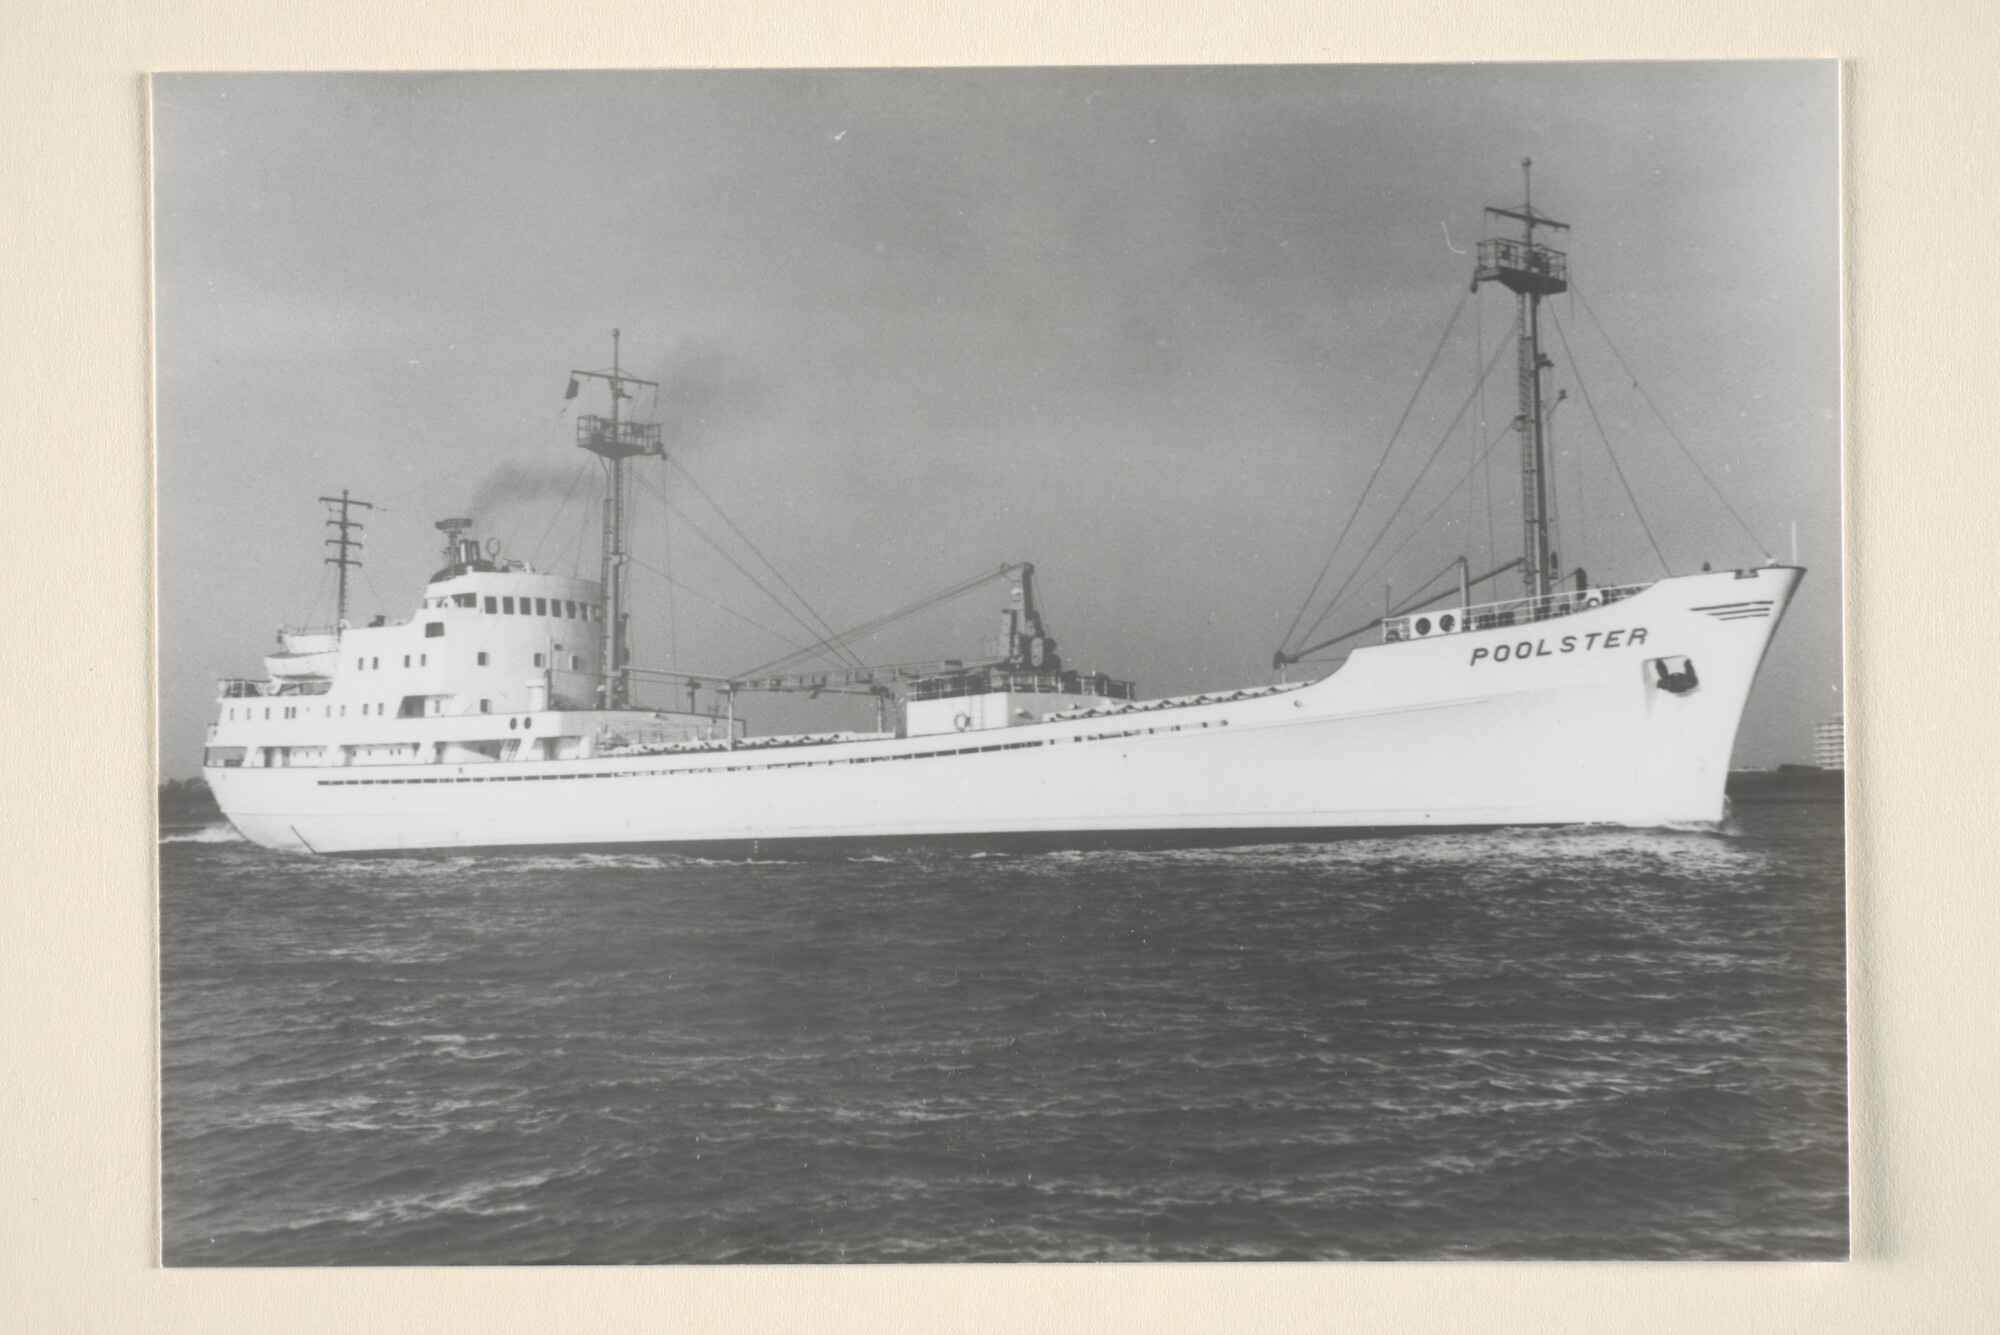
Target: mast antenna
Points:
(349, 539)
(1531, 271)
(617, 441)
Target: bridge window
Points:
(569, 610)
(433, 629)
(491, 605)
(541, 607)
(507, 606)
(465, 599)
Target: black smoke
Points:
(510, 482)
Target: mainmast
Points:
(347, 539)
(1531, 271)
(617, 441)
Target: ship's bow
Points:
(1713, 632)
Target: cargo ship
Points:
(505, 712)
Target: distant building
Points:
(1830, 744)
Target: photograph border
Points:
(79, 991)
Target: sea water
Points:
(1573, 1044)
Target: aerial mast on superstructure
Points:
(348, 539)
(1531, 271)
(617, 441)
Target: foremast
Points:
(616, 440)
(1531, 271)
(348, 541)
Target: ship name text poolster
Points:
(1611, 639)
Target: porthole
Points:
(1423, 625)
(512, 724)
(1446, 622)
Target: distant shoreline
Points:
(1787, 783)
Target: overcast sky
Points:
(1150, 329)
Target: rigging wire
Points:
(1368, 486)
(748, 621)
(581, 466)
(589, 515)
(1555, 477)
(576, 545)
(312, 613)
(1408, 605)
(1479, 341)
(1416, 598)
(1605, 334)
(368, 579)
(1586, 544)
(667, 573)
(724, 553)
(825, 626)
(1471, 468)
(1415, 482)
(1610, 453)
(888, 619)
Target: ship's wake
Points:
(207, 834)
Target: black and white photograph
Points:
(832, 666)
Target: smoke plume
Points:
(522, 482)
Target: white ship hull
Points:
(1560, 721)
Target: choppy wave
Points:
(1584, 1043)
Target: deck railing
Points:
(239, 688)
(1508, 612)
(1030, 683)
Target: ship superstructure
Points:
(500, 663)
(504, 712)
